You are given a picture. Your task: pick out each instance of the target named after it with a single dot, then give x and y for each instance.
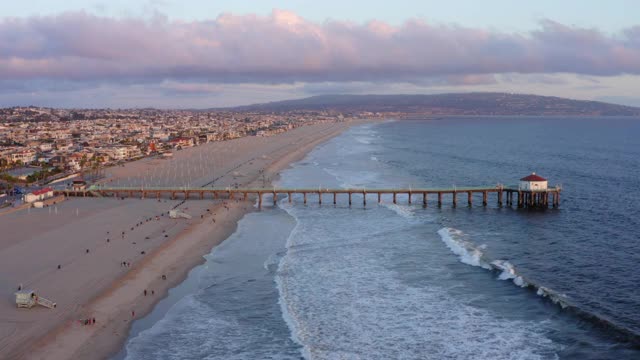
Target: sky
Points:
(208, 53)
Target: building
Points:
(182, 142)
(122, 152)
(45, 147)
(39, 195)
(24, 156)
(79, 184)
(533, 182)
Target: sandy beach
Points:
(109, 251)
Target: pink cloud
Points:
(284, 47)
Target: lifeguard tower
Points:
(29, 299)
(177, 214)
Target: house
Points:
(46, 147)
(181, 142)
(25, 156)
(102, 157)
(122, 152)
(74, 161)
(59, 161)
(533, 182)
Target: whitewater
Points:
(407, 282)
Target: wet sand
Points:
(96, 284)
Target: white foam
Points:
(403, 210)
(353, 179)
(345, 302)
(288, 312)
(508, 270)
(364, 140)
(466, 250)
(472, 255)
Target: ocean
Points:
(401, 281)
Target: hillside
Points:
(449, 104)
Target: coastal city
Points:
(418, 180)
(43, 145)
(39, 146)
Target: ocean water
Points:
(406, 282)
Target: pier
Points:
(502, 195)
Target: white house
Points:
(25, 156)
(39, 195)
(533, 182)
(46, 147)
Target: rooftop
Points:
(533, 177)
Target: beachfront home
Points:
(533, 182)
(182, 142)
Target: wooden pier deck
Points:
(504, 194)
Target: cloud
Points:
(180, 88)
(285, 48)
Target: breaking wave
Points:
(472, 254)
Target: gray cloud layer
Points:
(283, 47)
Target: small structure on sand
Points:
(29, 299)
(177, 214)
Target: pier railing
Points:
(504, 194)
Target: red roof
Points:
(42, 191)
(533, 177)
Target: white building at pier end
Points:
(533, 182)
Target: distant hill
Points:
(449, 104)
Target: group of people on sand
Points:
(88, 321)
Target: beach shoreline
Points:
(176, 257)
